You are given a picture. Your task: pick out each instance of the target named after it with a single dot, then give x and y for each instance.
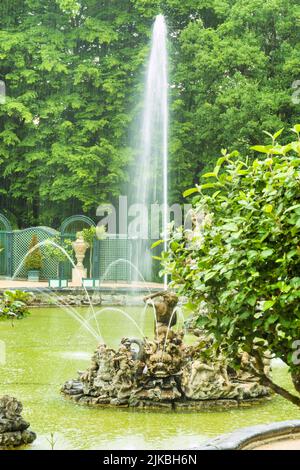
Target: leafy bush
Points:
(14, 304)
(54, 250)
(34, 259)
(240, 264)
(89, 236)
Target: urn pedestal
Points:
(79, 272)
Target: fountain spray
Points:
(152, 166)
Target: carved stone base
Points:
(163, 373)
(165, 399)
(180, 405)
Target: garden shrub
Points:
(14, 304)
(34, 259)
(239, 265)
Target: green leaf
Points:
(231, 227)
(220, 161)
(190, 191)
(251, 300)
(157, 243)
(292, 208)
(271, 319)
(209, 185)
(267, 253)
(296, 128)
(278, 133)
(268, 134)
(262, 148)
(209, 275)
(267, 304)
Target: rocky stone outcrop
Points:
(14, 430)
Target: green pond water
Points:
(48, 347)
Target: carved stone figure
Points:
(14, 430)
(203, 381)
(164, 307)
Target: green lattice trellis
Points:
(65, 271)
(108, 251)
(16, 243)
(5, 246)
(20, 244)
(75, 223)
(5, 223)
(5, 253)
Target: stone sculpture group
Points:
(164, 372)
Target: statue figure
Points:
(124, 379)
(105, 367)
(164, 307)
(203, 381)
(98, 377)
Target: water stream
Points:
(151, 172)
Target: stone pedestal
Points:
(77, 275)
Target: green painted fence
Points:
(110, 261)
(5, 254)
(20, 245)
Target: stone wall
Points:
(78, 298)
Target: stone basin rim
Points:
(251, 437)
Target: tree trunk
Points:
(264, 380)
(267, 382)
(296, 379)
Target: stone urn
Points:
(79, 247)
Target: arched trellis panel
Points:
(21, 240)
(79, 219)
(68, 230)
(5, 224)
(5, 246)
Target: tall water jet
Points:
(151, 173)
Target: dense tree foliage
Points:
(239, 265)
(73, 71)
(234, 71)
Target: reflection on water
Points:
(47, 348)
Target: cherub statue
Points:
(164, 307)
(124, 365)
(101, 365)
